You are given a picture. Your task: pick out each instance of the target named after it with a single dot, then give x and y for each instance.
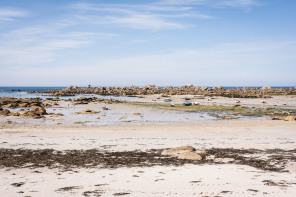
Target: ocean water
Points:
(22, 92)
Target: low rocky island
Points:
(264, 92)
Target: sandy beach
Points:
(220, 178)
(176, 98)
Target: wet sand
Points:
(124, 113)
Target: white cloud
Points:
(153, 16)
(42, 44)
(156, 15)
(9, 14)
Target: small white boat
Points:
(196, 103)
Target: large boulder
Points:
(178, 150)
(12, 105)
(14, 114)
(24, 105)
(190, 156)
(30, 114)
(4, 112)
(40, 110)
(290, 118)
(36, 112)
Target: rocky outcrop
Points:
(36, 112)
(86, 100)
(246, 92)
(10, 102)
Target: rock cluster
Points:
(185, 152)
(287, 118)
(10, 102)
(37, 107)
(169, 90)
(36, 112)
(86, 100)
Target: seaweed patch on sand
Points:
(268, 160)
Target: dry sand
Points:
(219, 179)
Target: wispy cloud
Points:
(156, 15)
(141, 16)
(212, 3)
(9, 14)
(42, 44)
(86, 34)
(144, 21)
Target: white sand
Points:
(260, 134)
(188, 180)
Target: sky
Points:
(141, 42)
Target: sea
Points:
(23, 92)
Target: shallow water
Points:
(119, 114)
(44, 96)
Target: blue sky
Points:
(137, 42)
